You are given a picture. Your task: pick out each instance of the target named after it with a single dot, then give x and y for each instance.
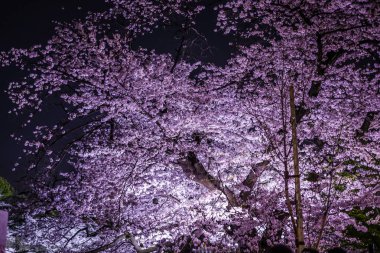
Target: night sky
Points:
(24, 23)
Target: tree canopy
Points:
(171, 152)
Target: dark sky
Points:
(24, 23)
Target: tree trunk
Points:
(285, 161)
(300, 244)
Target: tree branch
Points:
(195, 171)
(137, 246)
(125, 236)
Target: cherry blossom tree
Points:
(166, 154)
(325, 49)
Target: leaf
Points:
(6, 190)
